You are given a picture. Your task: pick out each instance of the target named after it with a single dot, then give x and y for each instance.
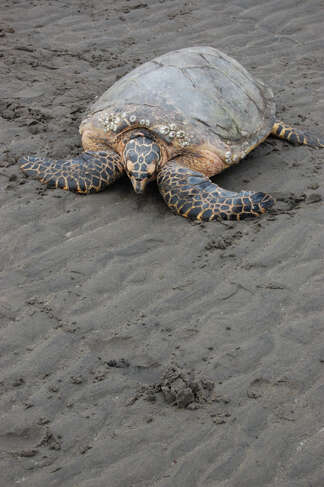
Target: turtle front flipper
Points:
(192, 195)
(295, 136)
(90, 172)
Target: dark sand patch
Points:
(115, 279)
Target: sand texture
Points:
(137, 348)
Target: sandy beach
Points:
(109, 300)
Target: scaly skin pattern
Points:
(186, 191)
(90, 172)
(140, 153)
(192, 195)
(294, 136)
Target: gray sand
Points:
(101, 294)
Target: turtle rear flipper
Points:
(295, 136)
(191, 194)
(90, 172)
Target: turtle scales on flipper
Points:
(179, 119)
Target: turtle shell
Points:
(189, 97)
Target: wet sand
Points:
(100, 295)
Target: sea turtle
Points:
(179, 119)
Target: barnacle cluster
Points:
(173, 132)
(112, 121)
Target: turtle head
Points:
(141, 157)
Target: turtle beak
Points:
(139, 185)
